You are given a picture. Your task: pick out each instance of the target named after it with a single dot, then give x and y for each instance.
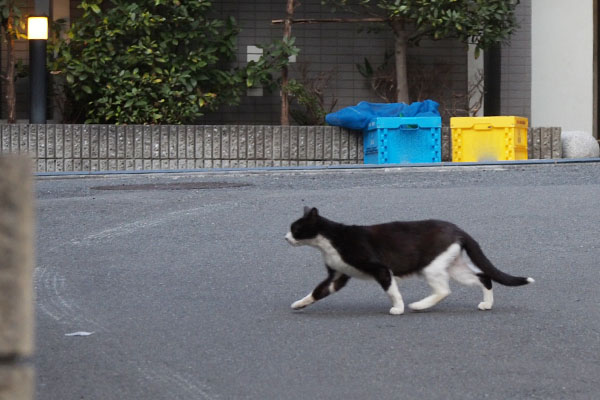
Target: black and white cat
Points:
(437, 250)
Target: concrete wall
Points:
(562, 91)
(110, 147)
(142, 147)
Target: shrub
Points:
(149, 61)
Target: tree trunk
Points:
(287, 32)
(9, 78)
(401, 47)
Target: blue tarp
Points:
(358, 117)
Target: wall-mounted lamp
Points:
(37, 34)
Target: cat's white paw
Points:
(484, 305)
(418, 306)
(297, 305)
(308, 300)
(397, 310)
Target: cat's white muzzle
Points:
(290, 239)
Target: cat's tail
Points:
(485, 265)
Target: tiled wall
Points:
(516, 67)
(334, 48)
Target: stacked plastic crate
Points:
(489, 138)
(396, 140)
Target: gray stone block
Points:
(14, 139)
(33, 143)
(51, 165)
(225, 142)
(344, 144)
(147, 142)
(242, 142)
(24, 139)
(207, 139)
(302, 142)
(156, 142)
(216, 141)
(556, 142)
(5, 139)
(111, 142)
(545, 143)
(319, 142)
(84, 137)
(198, 143)
(164, 142)
(138, 141)
(121, 137)
(260, 142)
(285, 143)
(268, 142)
(103, 142)
(59, 138)
(294, 143)
(41, 137)
(190, 143)
(328, 142)
(94, 143)
(277, 143)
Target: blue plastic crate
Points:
(396, 140)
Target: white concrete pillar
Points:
(562, 65)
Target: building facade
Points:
(548, 70)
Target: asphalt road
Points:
(188, 292)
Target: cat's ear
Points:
(311, 212)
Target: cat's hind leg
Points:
(334, 282)
(386, 279)
(463, 271)
(436, 275)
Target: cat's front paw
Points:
(308, 300)
(484, 306)
(297, 305)
(397, 310)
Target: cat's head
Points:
(303, 230)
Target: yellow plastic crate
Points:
(488, 138)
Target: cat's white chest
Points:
(334, 260)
